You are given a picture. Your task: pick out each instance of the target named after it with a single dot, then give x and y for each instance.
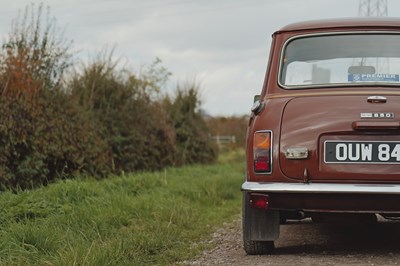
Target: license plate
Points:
(375, 152)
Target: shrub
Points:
(46, 138)
(134, 126)
(192, 134)
(103, 120)
(43, 136)
(34, 56)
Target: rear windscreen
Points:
(345, 59)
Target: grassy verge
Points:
(149, 218)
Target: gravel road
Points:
(308, 243)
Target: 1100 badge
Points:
(362, 152)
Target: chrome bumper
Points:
(391, 189)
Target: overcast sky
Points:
(223, 43)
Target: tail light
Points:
(259, 201)
(262, 151)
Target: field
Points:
(148, 218)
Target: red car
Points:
(324, 134)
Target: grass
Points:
(140, 219)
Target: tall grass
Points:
(148, 218)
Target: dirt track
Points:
(307, 243)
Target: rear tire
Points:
(254, 247)
(258, 247)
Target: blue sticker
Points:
(373, 77)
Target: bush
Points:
(104, 120)
(46, 138)
(43, 136)
(134, 126)
(34, 57)
(192, 135)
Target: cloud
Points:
(223, 43)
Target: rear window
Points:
(341, 60)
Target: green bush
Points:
(192, 135)
(134, 126)
(103, 120)
(43, 136)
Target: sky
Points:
(222, 44)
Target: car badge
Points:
(377, 115)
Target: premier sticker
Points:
(373, 77)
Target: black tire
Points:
(258, 247)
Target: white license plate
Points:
(376, 152)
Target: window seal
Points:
(331, 85)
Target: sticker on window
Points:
(373, 77)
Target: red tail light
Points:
(262, 151)
(259, 201)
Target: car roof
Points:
(384, 22)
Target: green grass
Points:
(140, 219)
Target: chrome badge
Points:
(377, 115)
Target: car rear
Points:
(326, 138)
